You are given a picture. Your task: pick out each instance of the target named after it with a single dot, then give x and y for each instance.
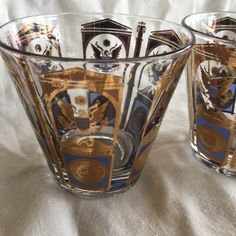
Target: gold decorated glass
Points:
(211, 73)
(95, 88)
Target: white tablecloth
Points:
(176, 194)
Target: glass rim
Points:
(176, 52)
(198, 32)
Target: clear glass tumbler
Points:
(211, 80)
(95, 88)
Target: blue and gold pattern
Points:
(88, 162)
(142, 154)
(84, 115)
(214, 134)
(214, 96)
(39, 38)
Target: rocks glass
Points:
(95, 88)
(212, 89)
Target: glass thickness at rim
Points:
(202, 34)
(175, 53)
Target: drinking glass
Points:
(95, 88)
(211, 73)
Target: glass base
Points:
(227, 171)
(96, 194)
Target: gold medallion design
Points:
(87, 171)
(211, 139)
(80, 100)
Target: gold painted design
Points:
(224, 97)
(233, 162)
(34, 31)
(106, 49)
(81, 100)
(110, 86)
(151, 135)
(166, 78)
(164, 88)
(221, 100)
(86, 146)
(232, 60)
(42, 118)
(101, 53)
(211, 139)
(215, 52)
(87, 171)
(88, 142)
(140, 160)
(79, 76)
(94, 117)
(24, 39)
(82, 113)
(107, 85)
(84, 168)
(214, 116)
(167, 38)
(104, 84)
